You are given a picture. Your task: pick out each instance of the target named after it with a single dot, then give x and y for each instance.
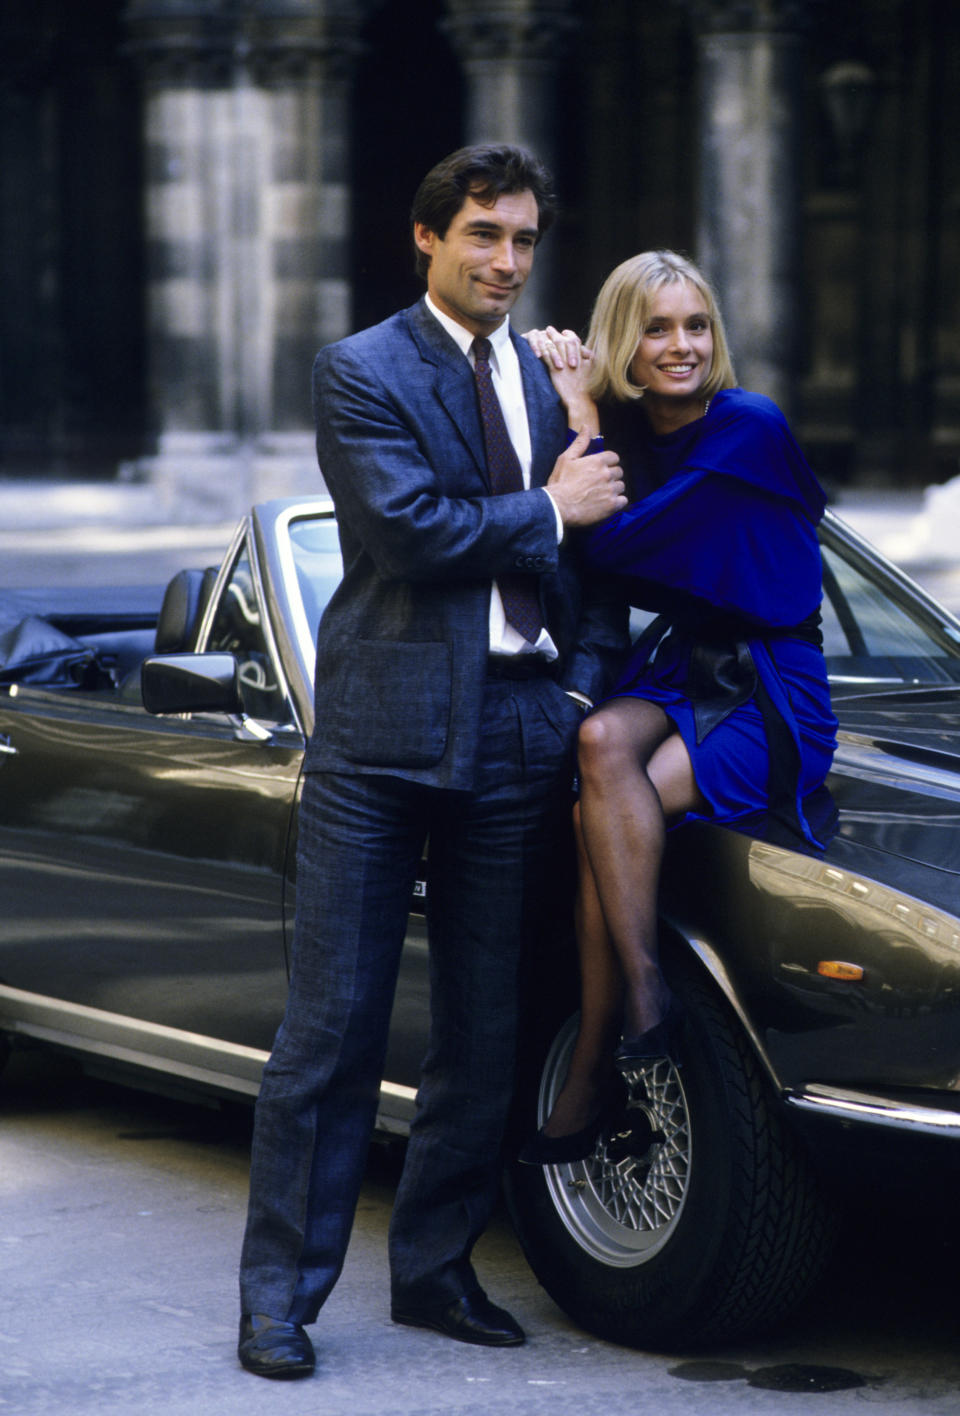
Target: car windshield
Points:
(877, 634)
(316, 555)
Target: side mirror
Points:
(191, 683)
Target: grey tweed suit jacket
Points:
(402, 646)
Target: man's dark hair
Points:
(485, 172)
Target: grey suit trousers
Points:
(496, 854)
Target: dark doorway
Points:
(408, 101)
(71, 353)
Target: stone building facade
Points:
(196, 194)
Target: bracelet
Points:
(596, 444)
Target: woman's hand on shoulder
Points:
(568, 363)
(559, 349)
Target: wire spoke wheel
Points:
(697, 1217)
(621, 1204)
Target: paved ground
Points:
(120, 1222)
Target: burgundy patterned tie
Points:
(521, 602)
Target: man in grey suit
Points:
(453, 666)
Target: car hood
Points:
(896, 775)
(919, 725)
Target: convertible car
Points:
(149, 769)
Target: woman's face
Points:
(672, 360)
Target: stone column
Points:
(750, 54)
(247, 231)
(186, 59)
(509, 50)
(301, 66)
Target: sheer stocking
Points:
(635, 774)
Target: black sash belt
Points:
(723, 675)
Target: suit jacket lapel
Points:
(455, 387)
(454, 383)
(541, 400)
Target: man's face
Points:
(479, 268)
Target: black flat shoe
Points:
(270, 1348)
(562, 1150)
(472, 1318)
(662, 1040)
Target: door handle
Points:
(7, 748)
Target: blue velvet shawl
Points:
(724, 510)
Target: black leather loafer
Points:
(472, 1318)
(270, 1348)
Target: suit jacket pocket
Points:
(563, 713)
(393, 707)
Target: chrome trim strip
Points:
(322, 508)
(224, 570)
(266, 625)
(395, 1089)
(210, 1062)
(875, 1110)
(872, 679)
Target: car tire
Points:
(697, 1218)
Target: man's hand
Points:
(588, 489)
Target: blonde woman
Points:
(723, 709)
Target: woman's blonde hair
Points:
(622, 311)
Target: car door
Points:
(142, 860)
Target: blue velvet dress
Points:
(720, 541)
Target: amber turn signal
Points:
(836, 968)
